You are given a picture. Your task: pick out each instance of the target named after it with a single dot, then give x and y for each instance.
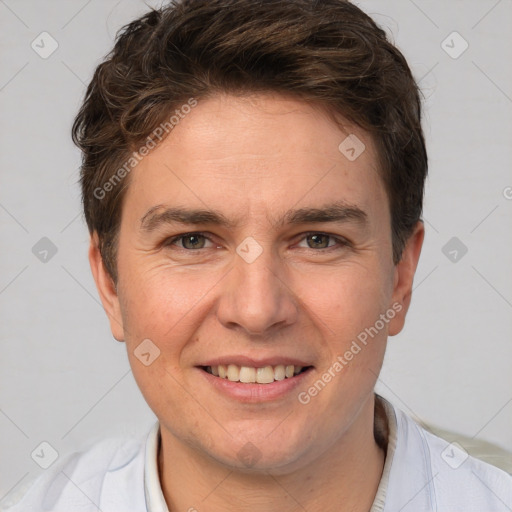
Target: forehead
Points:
(258, 154)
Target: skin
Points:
(253, 158)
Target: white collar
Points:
(155, 501)
(380, 498)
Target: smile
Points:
(251, 375)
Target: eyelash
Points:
(341, 242)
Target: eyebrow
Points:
(333, 212)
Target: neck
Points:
(347, 475)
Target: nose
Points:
(256, 297)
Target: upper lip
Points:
(241, 360)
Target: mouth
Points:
(247, 380)
(253, 375)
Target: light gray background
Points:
(65, 380)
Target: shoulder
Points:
(446, 477)
(462, 480)
(87, 479)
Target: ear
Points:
(404, 276)
(106, 289)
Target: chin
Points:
(263, 454)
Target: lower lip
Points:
(251, 393)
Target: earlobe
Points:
(106, 289)
(404, 277)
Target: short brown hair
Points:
(326, 52)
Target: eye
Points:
(189, 241)
(321, 241)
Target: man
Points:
(252, 180)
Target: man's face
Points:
(280, 284)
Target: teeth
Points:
(233, 373)
(265, 375)
(279, 372)
(247, 374)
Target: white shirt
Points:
(422, 473)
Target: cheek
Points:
(158, 299)
(160, 320)
(166, 306)
(347, 300)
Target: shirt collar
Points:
(155, 501)
(392, 424)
